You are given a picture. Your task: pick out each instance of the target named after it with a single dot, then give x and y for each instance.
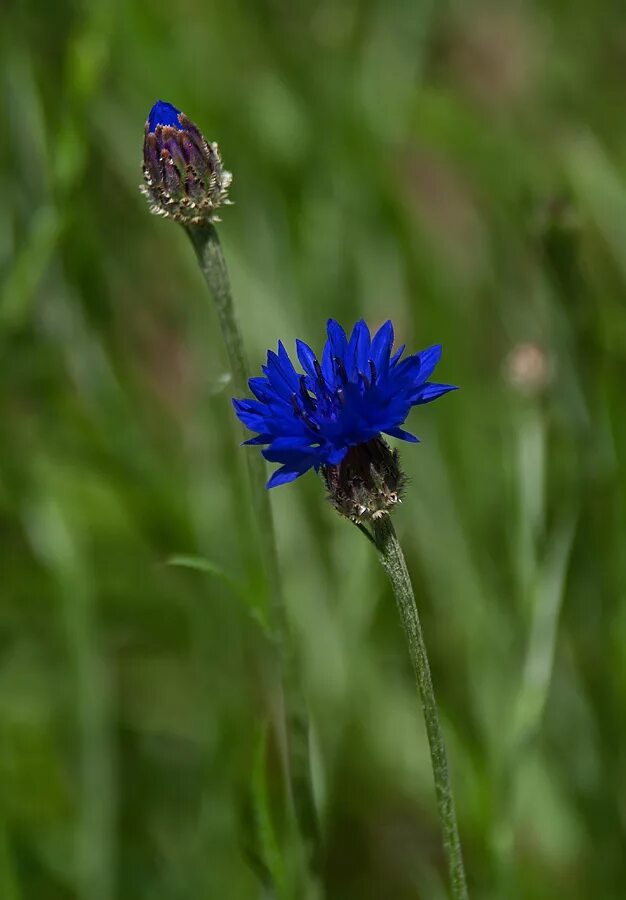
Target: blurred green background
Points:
(459, 167)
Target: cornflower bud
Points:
(183, 175)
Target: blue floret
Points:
(358, 391)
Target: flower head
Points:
(183, 174)
(332, 416)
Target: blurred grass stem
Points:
(394, 563)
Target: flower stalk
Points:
(210, 254)
(184, 181)
(393, 561)
(290, 720)
(207, 245)
(331, 418)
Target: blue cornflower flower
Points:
(332, 417)
(183, 174)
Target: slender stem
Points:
(290, 717)
(394, 563)
(210, 255)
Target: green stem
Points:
(394, 563)
(210, 255)
(289, 715)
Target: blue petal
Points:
(287, 365)
(336, 338)
(429, 359)
(382, 342)
(251, 420)
(288, 450)
(163, 113)
(396, 356)
(362, 348)
(306, 357)
(431, 391)
(328, 369)
(283, 381)
(407, 373)
(261, 388)
(284, 475)
(259, 439)
(251, 406)
(402, 435)
(418, 367)
(360, 336)
(335, 346)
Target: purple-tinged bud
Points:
(367, 483)
(183, 174)
(172, 180)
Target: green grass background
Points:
(459, 167)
